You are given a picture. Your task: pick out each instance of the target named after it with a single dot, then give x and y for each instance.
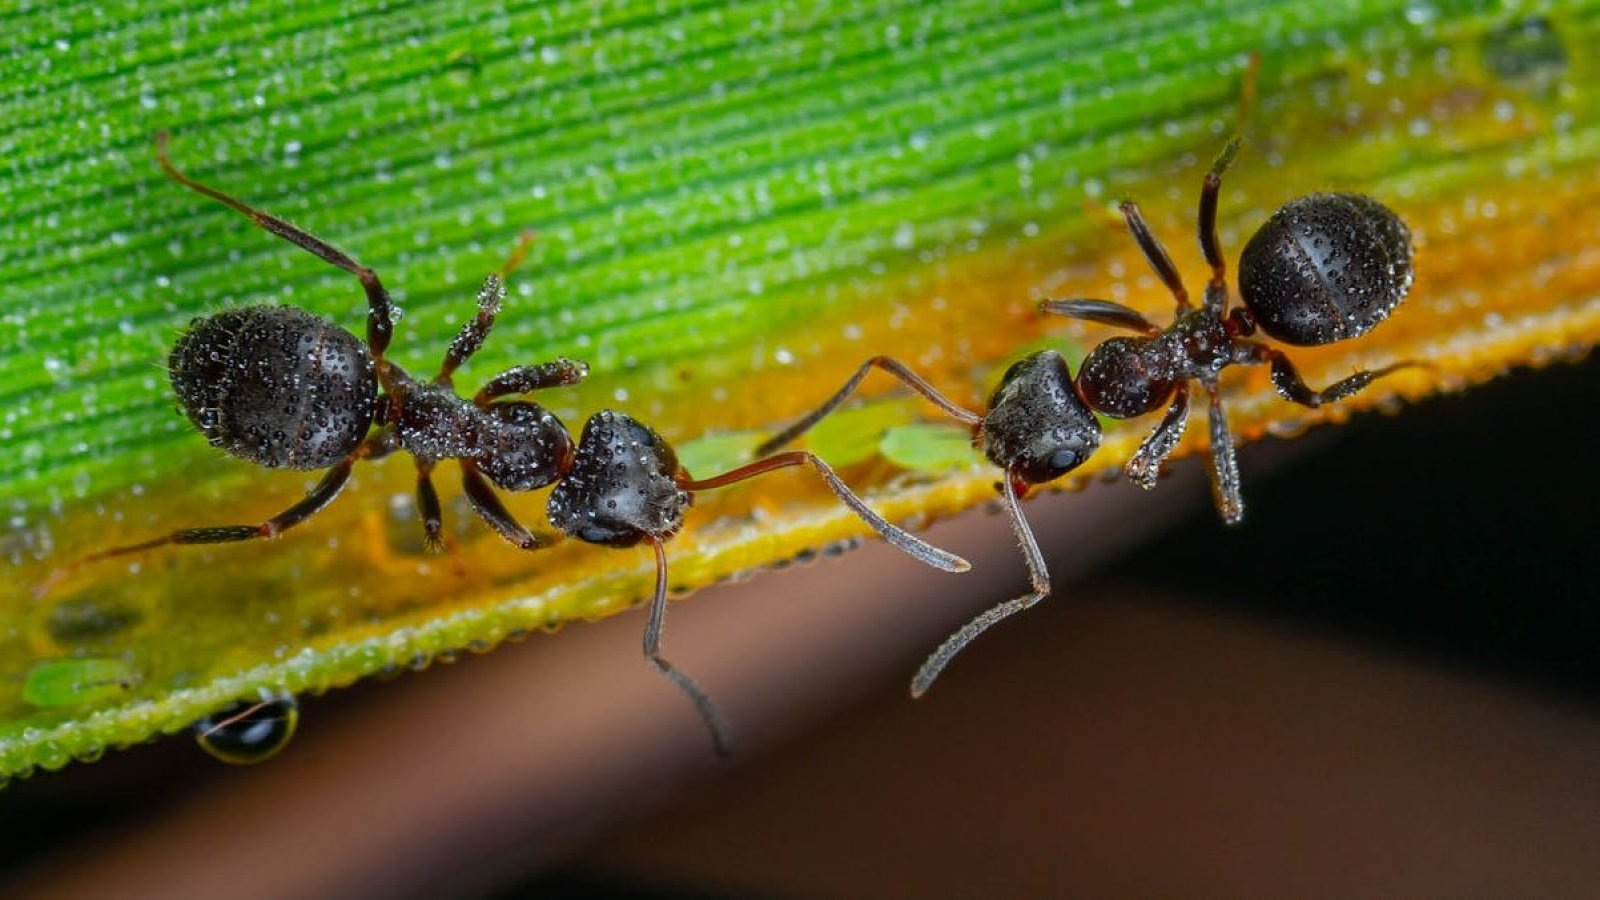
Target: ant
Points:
(282, 388)
(1324, 268)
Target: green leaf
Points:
(930, 448)
(852, 435)
(736, 204)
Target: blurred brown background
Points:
(1386, 682)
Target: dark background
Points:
(1455, 539)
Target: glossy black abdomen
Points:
(275, 385)
(1326, 267)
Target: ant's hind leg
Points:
(1224, 462)
(1103, 311)
(1038, 576)
(888, 364)
(721, 734)
(314, 501)
(1290, 385)
(1217, 287)
(380, 310)
(1210, 248)
(1144, 468)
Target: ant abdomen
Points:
(622, 487)
(275, 385)
(1326, 267)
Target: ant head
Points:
(1037, 426)
(1126, 377)
(622, 487)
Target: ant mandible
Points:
(282, 388)
(1325, 267)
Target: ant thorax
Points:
(518, 445)
(1130, 376)
(1199, 345)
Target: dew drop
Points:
(245, 733)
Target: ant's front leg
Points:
(488, 507)
(1144, 468)
(523, 379)
(1103, 311)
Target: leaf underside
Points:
(735, 205)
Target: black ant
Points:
(282, 388)
(1325, 267)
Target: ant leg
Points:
(919, 549)
(522, 379)
(313, 502)
(720, 732)
(1156, 254)
(1224, 462)
(380, 310)
(1103, 311)
(488, 507)
(1145, 466)
(1217, 287)
(1291, 387)
(381, 444)
(1038, 575)
(472, 335)
(888, 364)
(428, 506)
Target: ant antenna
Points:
(721, 733)
(1038, 576)
(907, 542)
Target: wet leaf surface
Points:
(735, 206)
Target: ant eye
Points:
(1065, 460)
(1067, 455)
